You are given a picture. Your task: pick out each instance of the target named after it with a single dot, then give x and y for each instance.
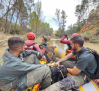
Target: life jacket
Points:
(69, 50)
(29, 45)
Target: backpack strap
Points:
(33, 43)
(33, 46)
(87, 51)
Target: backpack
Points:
(29, 47)
(96, 55)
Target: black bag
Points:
(96, 55)
(58, 74)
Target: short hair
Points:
(78, 39)
(15, 42)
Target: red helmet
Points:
(30, 35)
(74, 34)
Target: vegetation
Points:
(61, 21)
(22, 16)
(88, 20)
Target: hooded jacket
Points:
(31, 42)
(12, 67)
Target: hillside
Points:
(90, 30)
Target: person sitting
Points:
(19, 73)
(85, 63)
(69, 49)
(32, 45)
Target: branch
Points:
(8, 10)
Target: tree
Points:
(78, 12)
(57, 19)
(18, 9)
(63, 21)
(36, 17)
(60, 20)
(34, 22)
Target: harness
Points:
(69, 51)
(31, 47)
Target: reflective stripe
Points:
(95, 85)
(81, 88)
(91, 86)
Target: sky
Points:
(49, 9)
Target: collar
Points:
(83, 49)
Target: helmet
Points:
(30, 35)
(75, 34)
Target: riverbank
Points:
(93, 39)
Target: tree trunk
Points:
(8, 11)
(21, 24)
(6, 18)
(10, 21)
(18, 15)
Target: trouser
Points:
(68, 82)
(40, 75)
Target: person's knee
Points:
(32, 56)
(46, 70)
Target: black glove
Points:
(44, 45)
(45, 39)
(65, 35)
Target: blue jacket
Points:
(12, 67)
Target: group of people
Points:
(21, 68)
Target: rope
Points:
(61, 72)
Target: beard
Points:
(74, 48)
(21, 51)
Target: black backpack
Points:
(96, 55)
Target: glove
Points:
(44, 45)
(39, 55)
(65, 35)
(45, 39)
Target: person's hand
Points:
(43, 57)
(57, 64)
(49, 64)
(54, 46)
(44, 45)
(61, 65)
(65, 35)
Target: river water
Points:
(59, 45)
